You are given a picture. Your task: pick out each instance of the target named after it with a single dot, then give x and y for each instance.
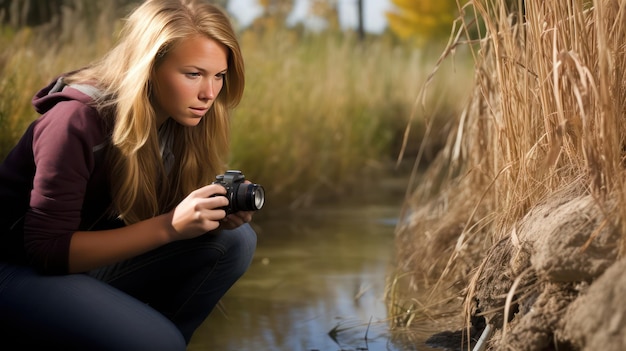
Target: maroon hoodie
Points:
(53, 183)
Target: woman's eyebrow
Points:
(203, 70)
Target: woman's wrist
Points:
(168, 232)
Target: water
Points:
(316, 283)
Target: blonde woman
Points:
(111, 236)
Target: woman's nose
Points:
(207, 90)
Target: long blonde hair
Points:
(140, 186)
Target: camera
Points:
(241, 196)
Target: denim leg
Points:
(77, 312)
(184, 280)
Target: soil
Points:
(556, 282)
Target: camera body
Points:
(241, 196)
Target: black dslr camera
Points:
(241, 196)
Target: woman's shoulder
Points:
(69, 111)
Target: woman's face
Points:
(189, 79)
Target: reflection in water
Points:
(316, 283)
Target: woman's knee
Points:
(77, 312)
(150, 337)
(241, 246)
(153, 336)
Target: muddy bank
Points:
(556, 280)
(554, 283)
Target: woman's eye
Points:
(220, 76)
(192, 74)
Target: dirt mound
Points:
(556, 280)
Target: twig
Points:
(482, 341)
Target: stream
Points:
(317, 283)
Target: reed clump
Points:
(543, 129)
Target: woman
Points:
(111, 236)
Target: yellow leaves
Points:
(422, 19)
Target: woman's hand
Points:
(199, 212)
(236, 219)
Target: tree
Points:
(422, 20)
(34, 13)
(274, 13)
(29, 12)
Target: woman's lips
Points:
(199, 111)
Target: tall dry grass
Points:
(547, 110)
(32, 57)
(324, 114)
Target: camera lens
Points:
(259, 197)
(250, 197)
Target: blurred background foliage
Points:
(422, 20)
(326, 110)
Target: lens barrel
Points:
(249, 197)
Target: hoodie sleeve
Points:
(63, 140)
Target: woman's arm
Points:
(197, 214)
(89, 250)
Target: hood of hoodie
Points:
(58, 91)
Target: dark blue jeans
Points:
(151, 302)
